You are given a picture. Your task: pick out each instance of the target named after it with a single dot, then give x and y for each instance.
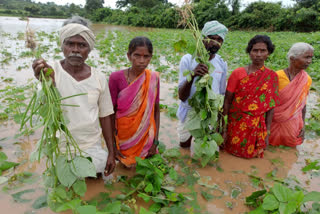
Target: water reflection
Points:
(14, 25)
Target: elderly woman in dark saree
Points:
(252, 93)
(294, 83)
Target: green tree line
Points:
(303, 16)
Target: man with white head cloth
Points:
(73, 76)
(214, 34)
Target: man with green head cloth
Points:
(214, 34)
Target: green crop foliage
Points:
(281, 199)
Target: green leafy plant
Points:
(280, 199)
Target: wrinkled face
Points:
(75, 50)
(303, 61)
(213, 43)
(259, 53)
(140, 58)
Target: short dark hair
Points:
(140, 41)
(261, 38)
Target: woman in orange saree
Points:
(250, 97)
(287, 126)
(135, 96)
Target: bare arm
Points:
(304, 111)
(157, 119)
(106, 126)
(184, 90)
(228, 98)
(152, 151)
(269, 116)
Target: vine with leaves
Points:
(206, 105)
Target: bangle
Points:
(155, 142)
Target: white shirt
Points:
(218, 83)
(83, 121)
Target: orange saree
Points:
(135, 122)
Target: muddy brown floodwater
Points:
(229, 173)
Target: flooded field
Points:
(220, 187)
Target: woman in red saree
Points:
(251, 95)
(135, 96)
(287, 126)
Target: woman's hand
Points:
(301, 134)
(41, 64)
(152, 151)
(118, 154)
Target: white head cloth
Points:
(73, 29)
(214, 28)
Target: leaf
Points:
(5, 165)
(148, 188)
(178, 46)
(40, 202)
(17, 196)
(203, 114)
(189, 78)
(194, 122)
(235, 193)
(80, 187)
(87, 209)
(252, 199)
(186, 73)
(83, 168)
(61, 192)
(259, 210)
(281, 192)
(3, 157)
(217, 138)
(64, 173)
(207, 195)
(297, 197)
(144, 196)
(312, 196)
(311, 166)
(155, 207)
(49, 177)
(144, 211)
(287, 208)
(173, 174)
(114, 207)
(70, 205)
(172, 153)
(270, 202)
(229, 204)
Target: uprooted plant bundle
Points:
(65, 172)
(206, 104)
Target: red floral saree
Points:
(256, 94)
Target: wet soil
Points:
(229, 173)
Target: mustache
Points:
(75, 55)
